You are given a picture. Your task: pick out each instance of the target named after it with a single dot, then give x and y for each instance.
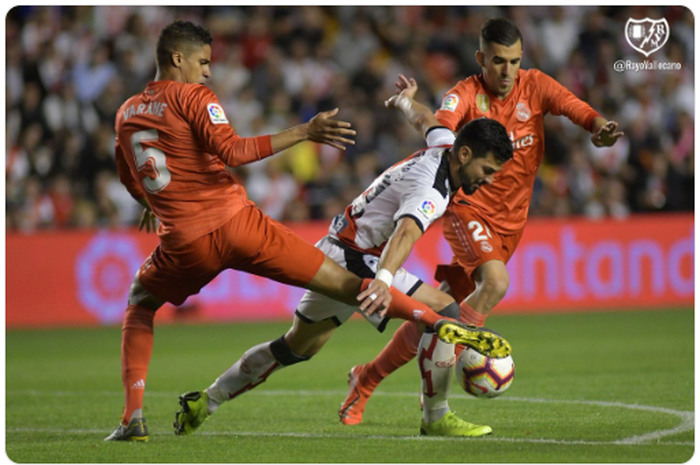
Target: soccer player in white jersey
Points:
(372, 238)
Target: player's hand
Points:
(405, 91)
(607, 135)
(375, 299)
(325, 130)
(148, 220)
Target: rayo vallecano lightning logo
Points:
(647, 35)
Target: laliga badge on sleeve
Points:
(216, 114)
(427, 209)
(450, 102)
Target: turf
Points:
(593, 387)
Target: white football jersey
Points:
(418, 187)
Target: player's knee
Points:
(496, 286)
(283, 353)
(138, 295)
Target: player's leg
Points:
(316, 317)
(470, 254)
(166, 276)
(402, 348)
(492, 280)
(301, 342)
(136, 348)
(436, 364)
(279, 254)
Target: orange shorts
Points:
(473, 242)
(250, 241)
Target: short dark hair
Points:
(177, 35)
(485, 135)
(500, 31)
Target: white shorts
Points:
(315, 307)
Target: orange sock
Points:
(137, 344)
(402, 347)
(406, 308)
(471, 316)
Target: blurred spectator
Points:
(68, 69)
(273, 190)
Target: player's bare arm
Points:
(395, 253)
(605, 133)
(420, 116)
(321, 128)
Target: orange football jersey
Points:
(507, 200)
(173, 142)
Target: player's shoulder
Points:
(459, 94)
(466, 86)
(533, 77)
(428, 161)
(190, 92)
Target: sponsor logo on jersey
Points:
(523, 142)
(216, 114)
(647, 35)
(483, 103)
(427, 208)
(450, 102)
(418, 314)
(522, 112)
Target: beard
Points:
(468, 186)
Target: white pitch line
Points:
(353, 437)
(687, 418)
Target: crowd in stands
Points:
(68, 69)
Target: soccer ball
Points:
(483, 376)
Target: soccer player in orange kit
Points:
(173, 142)
(484, 228)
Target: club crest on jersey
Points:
(427, 208)
(450, 102)
(216, 114)
(647, 35)
(522, 112)
(486, 247)
(483, 102)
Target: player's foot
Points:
(452, 425)
(482, 340)
(136, 430)
(193, 412)
(354, 404)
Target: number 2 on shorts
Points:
(478, 231)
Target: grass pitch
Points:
(597, 387)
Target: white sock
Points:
(436, 360)
(252, 369)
